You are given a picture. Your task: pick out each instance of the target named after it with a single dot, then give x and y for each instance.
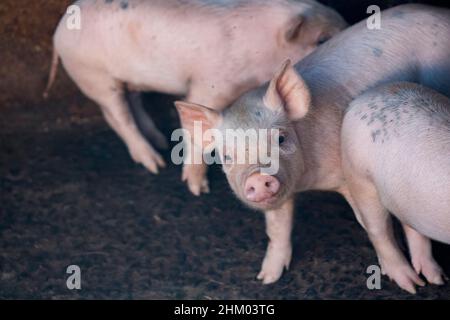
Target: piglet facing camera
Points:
(259, 111)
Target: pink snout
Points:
(259, 188)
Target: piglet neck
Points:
(319, 139)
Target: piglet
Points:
(395, 156)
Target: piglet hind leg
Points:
(121, 120)
(279, 251)
(108, 93)
(378, 224)
(145, 122)
(422, 256)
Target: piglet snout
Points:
(259, 187)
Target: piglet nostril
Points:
(272, 185)
(251, 190)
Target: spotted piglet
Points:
(396, 159)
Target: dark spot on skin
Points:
(377, 52)
(435, 44)
(398, 14)
(375, 134)
(124, 5)
(364, 117)
(109, 1)
(357, 112)
(373, 106)
(396, 109)
(258, 113)
(382, 115)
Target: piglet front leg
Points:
(194, 174)
(279, 251)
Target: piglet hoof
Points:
(429, 269)
(275, 261)
(405, 277)
(195, 177)
(148, 157)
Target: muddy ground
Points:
(70, 194)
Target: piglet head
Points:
(256, 140)
(309, 25)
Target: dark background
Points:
(70, 194)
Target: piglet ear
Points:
(288, 91)
(190, 113)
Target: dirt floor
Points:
(70, 194)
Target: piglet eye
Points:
(281, 139)
(322, 40)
